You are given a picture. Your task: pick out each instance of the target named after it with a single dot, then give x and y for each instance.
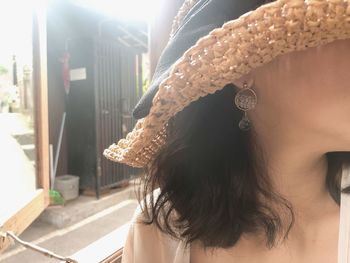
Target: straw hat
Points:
(211, 45)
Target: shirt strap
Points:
(344, 225)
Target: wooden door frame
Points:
(26, 213)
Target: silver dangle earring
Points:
(245, 100)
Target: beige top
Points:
(147, 244)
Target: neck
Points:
(297, 168)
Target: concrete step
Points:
(29, 150)
(70, 240)
(85, 206)
(68, 229)
(27, 142)
(25, 138)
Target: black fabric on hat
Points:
(204, 16)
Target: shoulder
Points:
(147, 243)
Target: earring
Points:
(245, 100)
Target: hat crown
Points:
(198, 19)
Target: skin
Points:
(303, 112)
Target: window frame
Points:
(26, 213)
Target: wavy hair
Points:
(212, 178)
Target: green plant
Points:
(56, 198)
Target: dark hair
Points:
(210, 178)
(213, 180)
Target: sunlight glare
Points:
(136, 10)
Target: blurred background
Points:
(71, 71)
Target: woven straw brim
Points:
(226, 54)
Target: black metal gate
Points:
(117, 88)
(99, 108)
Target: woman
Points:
(245, 130)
